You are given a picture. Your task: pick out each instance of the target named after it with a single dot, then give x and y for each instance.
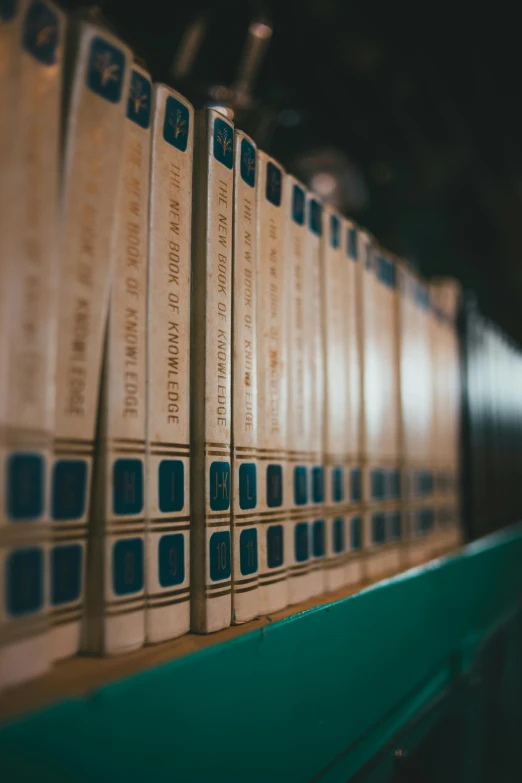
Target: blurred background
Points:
(406, 116)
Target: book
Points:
(356, 244)
(298, 488)
(32, 76)
(271, 363)
(94, 106)
(210, 388)
(245, 519)
(318, 525)
(168, 384)
(115, 621)
(335, 395)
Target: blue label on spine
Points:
(24, 581)
(138, 105)
(223, 143)
(352, 243)
(298, 205)
(355, 485)
(275, 546)
(171, 560)
(318, 538)
(219, 556)
(274, 486)
(247, 486)
(248, 163)
(318, 485)
(171, 485)
(315, 217)
(248, 551)
(337, 485)
(378, 528)
(66, 574)
(301, 542)
(69, 489)
(300, 485)
(335, 231)
(274, 184)
(176, 124)
(25, 487)
(338, 535)
(356, 533)
(127, 487)
(219, 486)
(40, 34)
(105, 70)
(127, 566)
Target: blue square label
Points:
(318, 485)
(300, 485)
(356, 533)
(337, 485)
(335, 231)
(127, 487)
(318, 538)
(352, 243)
(274, 184)
(66, 574)
(377, 481)
(138, 105)
(248, 163)
(223, 142)
(24, 581)
(378, 528)
(298, 205)
(171, 559)
(301, 542)
(274, 486)
(105, 70)
(338, 535)
(127, 566)
(248, 551)
(315, 217)
(219, 476)
(355, 485)
(219, 556)
(25, 487)
(41, 33)
(69, 489)
(247, 486)
(171, 485)
(275, 546)
(176, 124)
(395, 525)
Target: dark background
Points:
(416, 106)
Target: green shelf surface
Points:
(311, 697)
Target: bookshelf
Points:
(328, 688)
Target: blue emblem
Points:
(219, 556)
(127, 566)
(66, 574)
(106, 70)
(248, 551)
(315, 217)
(298, 205)
(40, 34)
(248, 163)
(171, 485)
(24, 581)
(274, 184)
(138, 105)
(171, 559)
(223, 143)
(335, 231)
(176, 124)
(352, 243)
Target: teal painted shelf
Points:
(311, 697)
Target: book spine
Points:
(211, 339)
(95, 105)
(297, 487)
(272, 384)
(352, 274)
(168, 386)
(29, 273)
(245, 519)
(336, 397)
(115, 612)
(318, 526)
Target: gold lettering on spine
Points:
(222, 320)
(248, 319)
(173, 296)
(274, 334)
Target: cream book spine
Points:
(168, 375)
(317, 368)
(353, 269)
(28, 302)
(115, 611)
(297, 543)
(211, 354)
(245, 495)
(271, 277)
(95, 103)
(336, 396)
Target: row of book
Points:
(218, 397)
